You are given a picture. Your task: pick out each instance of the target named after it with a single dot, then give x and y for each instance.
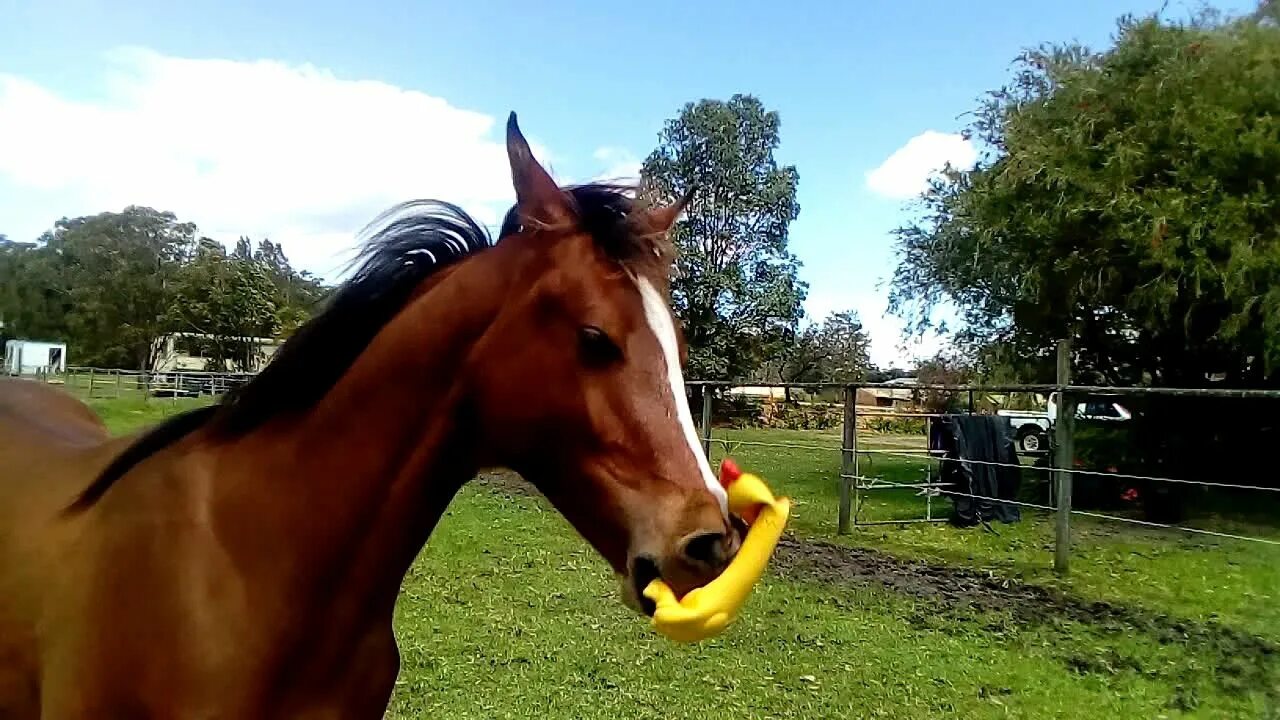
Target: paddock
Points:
(899, 621)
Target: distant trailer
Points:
(34, 357)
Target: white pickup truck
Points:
(1031, 429)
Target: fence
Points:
(98, 383)
(855, 484)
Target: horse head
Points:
(579, 381)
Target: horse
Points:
(243, 560)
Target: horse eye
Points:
(597, 348)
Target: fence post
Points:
(90, 382)
(706, 421)
(118, 381)
(848, 457)
(1064, 459)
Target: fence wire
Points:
(1184, 528)
(1074, 471)
(927, 456)
(906, 486)
(751, 443)
(1050, 508)
(220, 381)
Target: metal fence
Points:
(855, 484)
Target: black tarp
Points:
(987, 439)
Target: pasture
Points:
(508, 614)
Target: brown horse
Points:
(243, 560)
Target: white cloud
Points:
(619, 163)
(256, 148)
(905, 174)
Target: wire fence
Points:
(859, 448)
(1077, 471)
(856, 482)
(110, 383)
(1074, 511)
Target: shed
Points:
(759, 391)
(32, 357)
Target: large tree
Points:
(227, 300)
(105, 283)
(114, 285)
(298, 294)
(33, 298)
(735, 288)
(834, 351)
(1126, 198)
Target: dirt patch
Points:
(986, 591)
(1238, 661)
(505, 482)
(1241, 661)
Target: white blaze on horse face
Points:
(660, 322)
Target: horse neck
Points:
(345, 497)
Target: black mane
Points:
(409, 243)
(405, 245)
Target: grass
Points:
(137, 412)
(1191, 576)
(508, 614)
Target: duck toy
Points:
(706, 611)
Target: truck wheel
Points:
(1033, 442)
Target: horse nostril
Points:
(707, 548)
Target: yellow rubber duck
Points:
(704, 612)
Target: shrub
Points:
(783, 416)
(890, 425)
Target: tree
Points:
(114, 285)
(943, 369)
(1268, 12)
(882, 375)
(836, 351)
(298, 294)
(105, 282)
(227, 300)
(32, 295)
(735, 288)
(1125, 198)
(847, 346)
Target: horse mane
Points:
(607, 212)
(403, 247)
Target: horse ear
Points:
(663, 217)
(538, 199)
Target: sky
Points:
(301, 121)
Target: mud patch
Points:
(1241, 661)
(502, 481)
(1234, 660)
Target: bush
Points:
(781, 416)
(736, 411)
(889, 425)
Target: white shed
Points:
(30, 357)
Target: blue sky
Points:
(304, 119)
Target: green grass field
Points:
(508, 614)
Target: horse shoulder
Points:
(48, 410)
